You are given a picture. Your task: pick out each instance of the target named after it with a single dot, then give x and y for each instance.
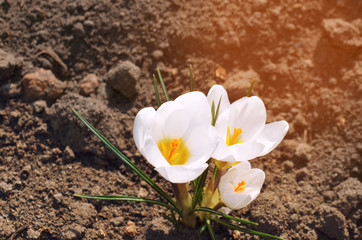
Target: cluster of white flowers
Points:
(178, 140)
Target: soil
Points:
(98, 57)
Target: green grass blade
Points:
(214, 173)
(128, 162)
(245, 230)
(191, 79)
(211, 231)
(250, 88)
(156, 91)
(243, 221)
(169, 219)
(217, 110)
(125, 198)
(202, 228)
(199, 188)
(163, 85)
(215, 115)
(213, 120)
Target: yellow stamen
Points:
(234, 138)
(174, 151)
(239, 187)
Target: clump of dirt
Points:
(58, 55)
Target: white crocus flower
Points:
(242, 132)
(240, 185)
(177, 139)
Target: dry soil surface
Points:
(98, 56)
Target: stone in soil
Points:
(331, 222)
(83, 213)
(74, 231)
(130, 229)
(342, 33)
(68, 154)
(117, 221)
(123, 78)
(7, 65)
(349, 195)
(42, 84)
(65, 125)
(88, 84)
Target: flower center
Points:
(239, 187)
(235, 138)
(174, 150)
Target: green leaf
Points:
(128, 162)
(191, 79)
(250, 88)
(163, 85)
(156, 91)
(211, 231)
(205, 209)
(245, 230)
(125, 198)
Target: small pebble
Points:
(73, 232)
(130, 229)
(39, 106)
(123, 78)
(88, 84)
(301, 174)
(157, 54)
(42, 84)
(117, 221)
(68, 154)
(78, 30)
(58, 197)
(32, 234)
(288, 166)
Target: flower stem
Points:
(184, 201)
(211, 197)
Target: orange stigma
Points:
(239, 187)
(231, 140)
(174, 144)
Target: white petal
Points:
(181, 173)
(225, 210)
(237, 201)
(142, 124)
(254, 179)
(171, 121)
(222, 124)
(153, 154)
(215, 93)
(197, 106)
(233, 174)
(223, 152)
(246, 151)
(272, 135)
(201, 142)
(249, 114)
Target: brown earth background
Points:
(98, 56)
